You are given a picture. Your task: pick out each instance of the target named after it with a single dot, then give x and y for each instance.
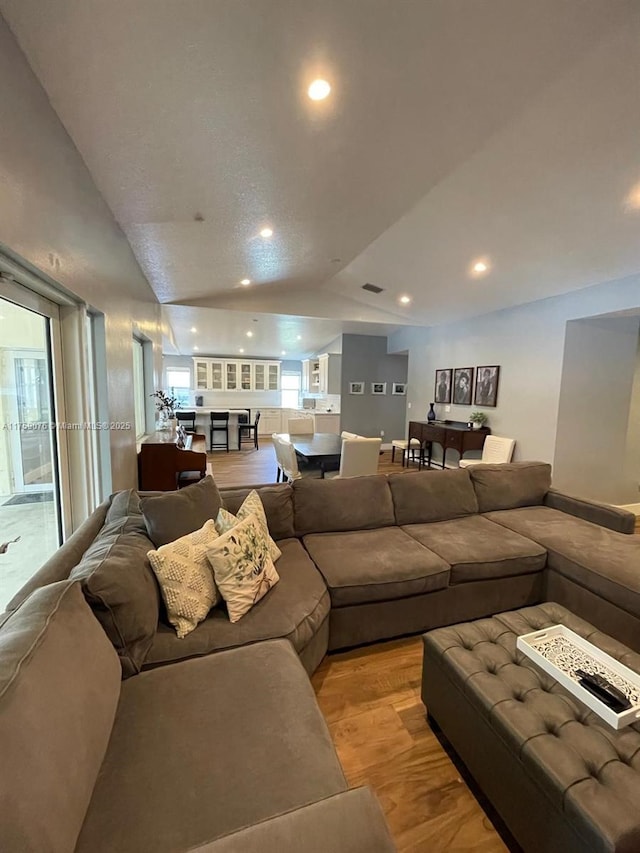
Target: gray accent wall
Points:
(365, 359)
(528, 342)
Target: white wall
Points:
(528, 343)
(52, 216)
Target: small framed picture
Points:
(378, 388)
(462, 386)
(399, 388)
(487, 376)
(356, 387)
(442, 392)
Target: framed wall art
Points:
(487, 376)
(378, 388)
(442, 393)
(356, 387)
(462, 386)
(399, 388)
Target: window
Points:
(139, 395)
(290, 384)
(179, 384)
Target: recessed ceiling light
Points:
(284, 352)
(480, 267)
(193, 329)
(240, 350)
(195, 349)
(405, 300)
(319, 90)
(245, 281)
(249, 334)
(266, 233)
(299, 338)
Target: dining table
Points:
(317, 450)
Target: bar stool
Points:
(249, 431)
(187, 420)
(219, 423)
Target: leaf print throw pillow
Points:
(242, 566)
(251, 505)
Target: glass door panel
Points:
(245, 376)
(29, 490)
(232, 376)
(259, 377)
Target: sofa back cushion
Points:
(171, 515)
(121, 589)
(59, 688)
(510, 486)
(277, 502)
(421, 497)
(355, 503)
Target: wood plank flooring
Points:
(370, 698)
(253, 467)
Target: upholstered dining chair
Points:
(359, 457)
(288, 461)
(300, 426)
(495, 449)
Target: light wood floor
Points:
(371, 700)
(253, 467)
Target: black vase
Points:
(431, 415)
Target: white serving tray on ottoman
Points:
(559, 652)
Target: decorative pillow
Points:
(175, 514)
(185, 578)
(252, 505)
(242, 566)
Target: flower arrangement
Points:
(166, 404)
(478, 418)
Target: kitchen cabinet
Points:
(329, 373)
(214, 374)
(270, 421)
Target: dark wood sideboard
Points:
(450, 435)
(160, 460)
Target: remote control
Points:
(603, 690)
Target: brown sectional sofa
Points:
(362, 560)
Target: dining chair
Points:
(300, 426)
(247, 430)
(280, 457)
(187, 420)
(219, 422)
(289, 463)
(407, 447)
(359, 457)
(345, 434)
(495, 450)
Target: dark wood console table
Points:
(448, 434)
(161, 461)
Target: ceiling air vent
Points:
(372, 288)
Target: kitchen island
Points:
(203, 422)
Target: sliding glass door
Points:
(29, 489)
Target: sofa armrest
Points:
(350, 822)
(605, 515)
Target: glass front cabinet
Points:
(211, 374)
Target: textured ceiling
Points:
(456, 128)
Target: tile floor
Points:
(36, 526)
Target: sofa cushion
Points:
(510, 485)
(601, 560)
(185, 578)
(251, 505)
(242, 566)
(59, 689)
(123, 504)
(277, 502)
(477, 549)
(295, 608)
(375, 565)
(121, 589)
(207, 747)
(174, 514)
(432, 496)
(355, 503)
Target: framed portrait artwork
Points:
(356, 387)
(399, 388)
(442, 393)
(462, 386)
(487, 376)
(378, 388)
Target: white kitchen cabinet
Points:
(201, 374)
(215, 374)
(231, 380)
(246, 376)
(259, 376)
(270, 421)
(329, 373)
(273, 376)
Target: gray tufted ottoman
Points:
(560, 778)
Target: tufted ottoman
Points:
(560, 778)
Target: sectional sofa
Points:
(363, 559)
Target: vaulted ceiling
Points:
(455, 130)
